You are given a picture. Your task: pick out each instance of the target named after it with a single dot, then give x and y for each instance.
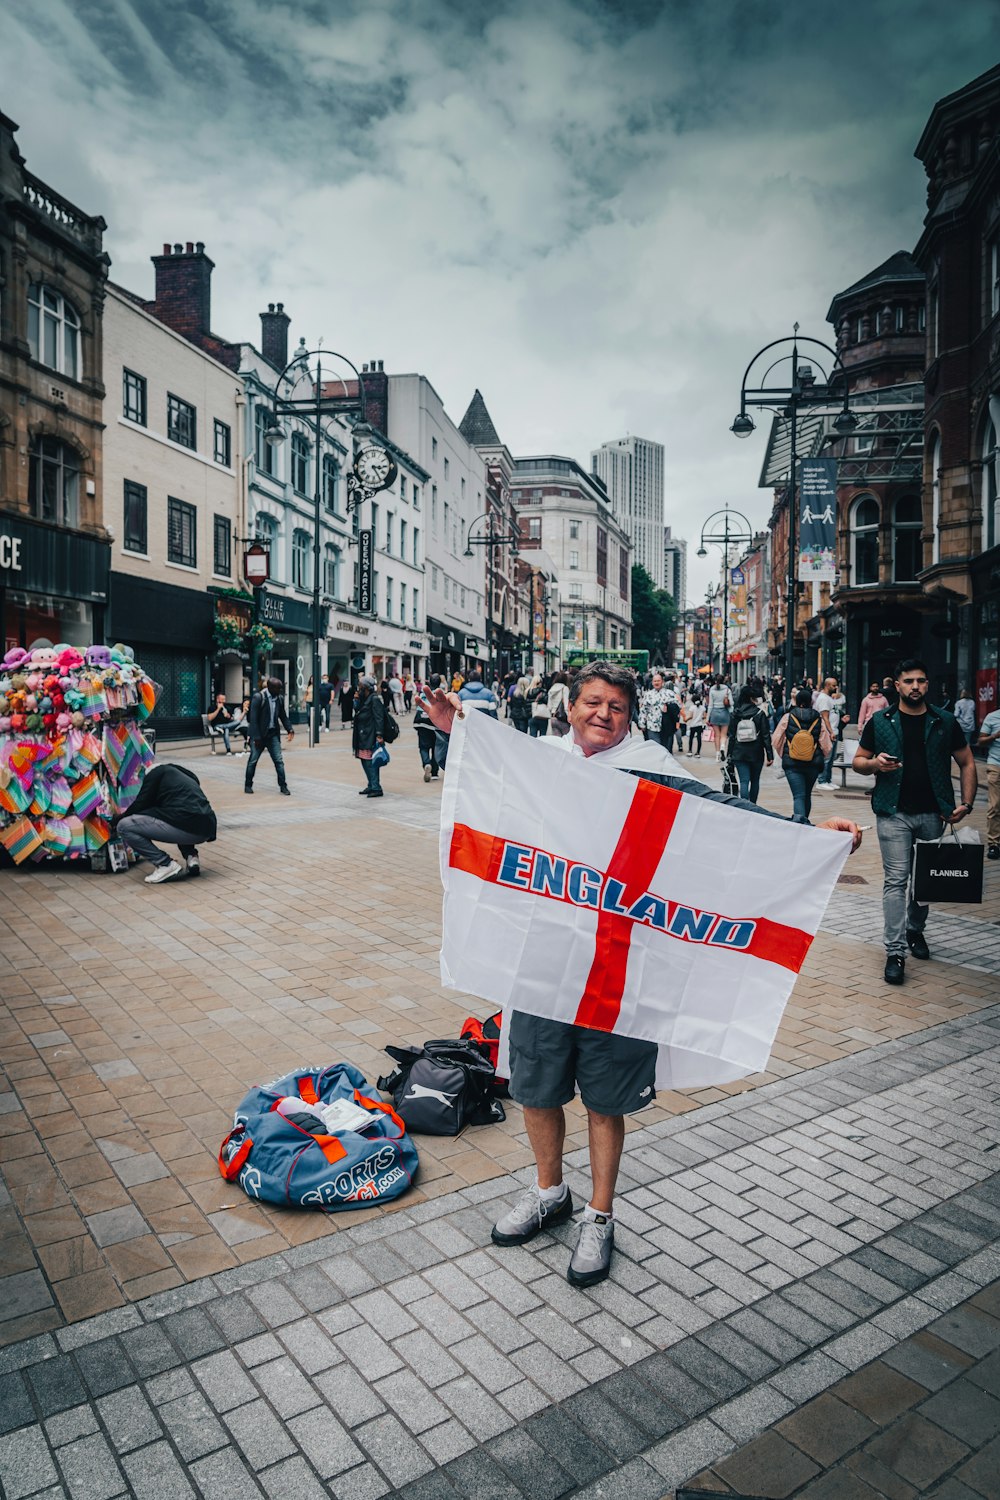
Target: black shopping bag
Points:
(946, 870)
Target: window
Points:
(576, 591)
(534, 528)
(434, 508)
(222, 546)
(331, 482)
(936, 499)
(434, 447)
(447, 467)
(993, 267)
(402, 603)
(416, 497)
(331, 571)
(462, 529)
(434, 579)
(574, 558)
(907, 552)
(388, 598)
(402, 538)
(374, 592)
(374, 524)
(900, 317)
(182, 533)
(574, 530)
(134, 518)
(263, 451)
(300, 558)
(402, 486)
(300, 463)
(447, 514)
(864, 542)
(181, 423)
(53, 331)
(134, 397)
(462, 482)
(54, 482)
(388, 531)
(222, 444)
(446, 582)
(463, 598)
(933, 307)
(416, 609)
(416, 547)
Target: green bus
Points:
(637, 660)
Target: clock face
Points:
(375, 468)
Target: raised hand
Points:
(439, 707)
(844, 825)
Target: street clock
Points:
(374, 468)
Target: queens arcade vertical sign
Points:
(817, 520)
(366, 603)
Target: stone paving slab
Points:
(451, 1367)
(313, 931)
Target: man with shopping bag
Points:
(640, 948)
(909, 749)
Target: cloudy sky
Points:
(594, 210)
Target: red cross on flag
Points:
(576, 892)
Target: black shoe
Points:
(365, 791)
(376, 794)
(894, 969)
(248, 790)
(993, 852)
(917, 944)
(284, 791)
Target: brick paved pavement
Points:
(316, 925)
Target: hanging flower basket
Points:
(261, 636)
(227, 634)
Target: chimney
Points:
(376, 387)
(274, 335)
(184, 289)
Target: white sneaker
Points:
(164, 872)
(427, 773)
(193, 865)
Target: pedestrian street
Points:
(804, 1296)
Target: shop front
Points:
(53, 585)
(289, 656)
(349, 646)
(877, 636)
(170, 630)
(231, 664)
(984, 683)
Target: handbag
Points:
(380, 756)
(441, 1087)
(948, 869)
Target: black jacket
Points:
(753, 752)
(699, 789)
(369, 723)
(174, 794)
(260, 716)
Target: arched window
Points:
(53, 330)
(991, 465)
(864, 541)
(907, 552)
(300, 463)
(331, 571)
(300, 558)
(54, 482)
(331, 482)
(936, 499)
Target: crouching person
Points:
(172, 808)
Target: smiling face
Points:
(600, 716)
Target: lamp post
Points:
(313, 406)
(801, 393)
(490, 539)
(256, 571)
(725, 537)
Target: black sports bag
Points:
(441, 1087)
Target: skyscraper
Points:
(631, 469)
(675, 567)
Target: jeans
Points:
(801, 780)
(427, 757)
(272, 744)
(993, 804)
(440, 749)
(826, 775)
(537, 726)
(697, 729)
(139, 830)
(372, 774)
(897, 834)
(748, 772)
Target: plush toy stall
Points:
(72, 750)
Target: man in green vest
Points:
(909, 749)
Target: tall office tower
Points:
(631, 469)
(675, 550)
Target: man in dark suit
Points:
(267, 717)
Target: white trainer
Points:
(164, 872)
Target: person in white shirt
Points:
(396, 689)
(825, 704)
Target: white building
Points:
(453, 496)
(631, 470)
(675, 567)
(172, 460)
(565, 518)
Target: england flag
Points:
(580, 893)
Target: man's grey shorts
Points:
(616, 1075)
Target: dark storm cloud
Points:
(594, 211)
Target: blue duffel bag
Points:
(276, 1161)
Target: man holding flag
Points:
(603, 1051)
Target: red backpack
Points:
(486, 1036)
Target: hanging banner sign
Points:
(366, 603)
(817, 520)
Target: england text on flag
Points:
(581, 893)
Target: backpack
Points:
(746, 729)
(276, 1161)
(486, 1036)
(391, 732)
(803, 743)
(441, 1087)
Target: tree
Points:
(654, 616)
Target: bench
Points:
(211, 733)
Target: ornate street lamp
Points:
(724, 535)
(801, 393)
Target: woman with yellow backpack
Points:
(803, 741)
